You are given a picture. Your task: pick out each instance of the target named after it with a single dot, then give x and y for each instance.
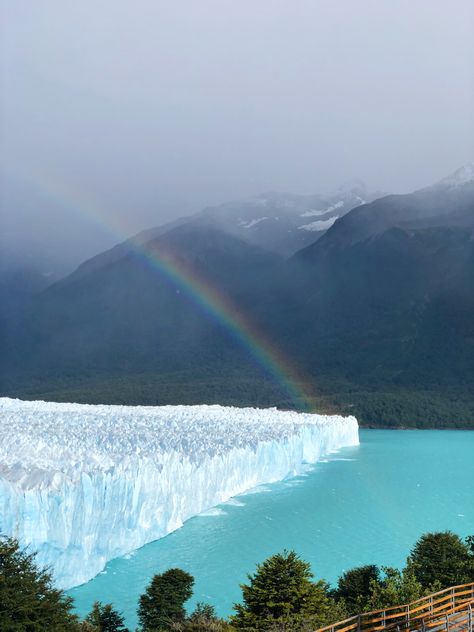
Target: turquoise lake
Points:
(362, 505)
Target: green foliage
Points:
(203, 625)
(163, 601)
(354, 587)
(470, 544)
(203, 619)
(440, 560)
(203, 611)
(281, 593)
(393, 589)
(282, 597)
(85, 626)
(28, 601)
(105, 619)
(380, 403)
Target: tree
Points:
(282, 594)
(393, 589)
(28, 600)
(470, 544)
(163, 601)
(204, 619)
(203, 611)
(440, 560)
(355, 586)
(85, 626)
(105, 618)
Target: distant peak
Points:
(463, 175)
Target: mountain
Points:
(385, 298)
(446, 203)
(282, 222)
(293, 221)
(56, 336)
(123, 318)
(376, 314)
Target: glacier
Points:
(82, 484)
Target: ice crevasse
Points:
(83, 484)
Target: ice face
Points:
(83, 484)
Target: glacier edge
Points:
(84, 484)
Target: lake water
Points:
(362, 505)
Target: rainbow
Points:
(197, 289)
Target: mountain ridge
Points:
(376, 315)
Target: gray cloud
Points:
(135, 112)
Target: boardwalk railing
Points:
(413, 616)
(462, 620)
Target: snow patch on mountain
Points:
(321, 224)
(252, 222)
(83, 484)
(330, 209)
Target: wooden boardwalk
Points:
(460, 621)
(449, 609)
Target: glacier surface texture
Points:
(83, 484)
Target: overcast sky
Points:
(135, 111)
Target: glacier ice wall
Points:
(83, 484)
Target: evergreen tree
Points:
(282, 594)
(85, 626)
(203, 611)
(393, 589)
(440, 560)
(470, 544)
(355, 587)
(105, 618)
(204, 619)
(28, 600)
(163, 602)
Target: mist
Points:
(117, 115)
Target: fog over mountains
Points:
(372, 302)
(277, 222)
